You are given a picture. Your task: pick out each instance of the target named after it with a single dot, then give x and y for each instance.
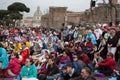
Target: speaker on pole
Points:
(93, 2)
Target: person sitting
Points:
(51, 71)
(72, 73)
(3, 57)
(63, 59)
(97, 59)
(77, 65)
(14, 67)
(69, 72)
(29, 70)
(63, 74)
(89, 44)
(25, 53)
(107, 66)
(52, 68)
(17, 47)
(4, 61)
(84, 57)
(86, 74)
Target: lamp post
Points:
(87, 14)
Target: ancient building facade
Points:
(114, 1)
(103, 13)
(57, 16)
(74, 17)
(34, 21)
(37, 17)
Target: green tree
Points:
(12, 13)
(15, 10)
(3, 14)
(15, 16)
(18, 7)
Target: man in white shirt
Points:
(98, 32)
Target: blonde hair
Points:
(98, 54)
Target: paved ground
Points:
(105, 78)
(7, 79)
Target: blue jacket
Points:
(77, 66)
(31, 73)
(93, 39)
(75, 34)
(4, 58)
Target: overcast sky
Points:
(73, 5)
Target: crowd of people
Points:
(69, 53)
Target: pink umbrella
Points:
(113, 25)
(106, 25)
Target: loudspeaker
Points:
(93, 3)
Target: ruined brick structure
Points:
(103, 13)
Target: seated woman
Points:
(52, 70)
(107, 66)
(14, 66)
(97, 59)
(29, 71)
(63, 59)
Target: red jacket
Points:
(108, 62)
(25, 55)
(43, 69)
(89, 44)
(84, 58)
(15, 66)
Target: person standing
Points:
(112, 42)
(98, 32)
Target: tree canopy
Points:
(18, 7)
(15, 16)
(3, 14)
(13, 12)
